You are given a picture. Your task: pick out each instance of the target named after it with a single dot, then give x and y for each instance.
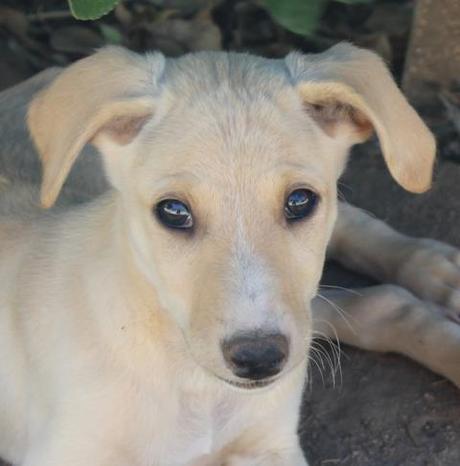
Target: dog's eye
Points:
(300, 204)
(174, 214)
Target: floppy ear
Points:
(111, 92)
(349, 92)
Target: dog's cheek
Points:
(175, 278)
(163, 262)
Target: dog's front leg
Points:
(389, 318)
(429, 269)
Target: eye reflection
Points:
(173, 213)
(301, 203)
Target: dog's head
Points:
(225, 167)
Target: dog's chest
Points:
(202, 426)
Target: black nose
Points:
(255, 356)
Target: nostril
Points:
(268, 355)
(255, 356)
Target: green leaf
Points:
(91, 9)
(299, 16)
(111, 35)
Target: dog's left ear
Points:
(111, 93)
(349, 92)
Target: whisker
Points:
(342, 313)
(334, 345)
(334, 361)
(313, 360)
(322, 355)
(342, 288)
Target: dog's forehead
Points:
(221, 143)
(233, 117)
(228, 113)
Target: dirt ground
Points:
(383, 410)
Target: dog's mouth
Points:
(250, 384)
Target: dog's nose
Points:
(256, 357)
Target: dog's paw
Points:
(431, 270)
(432, 340)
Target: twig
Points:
(49, 15)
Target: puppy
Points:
(167, 321)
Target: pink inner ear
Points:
(332, 116)
(123, 129)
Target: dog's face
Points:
(230, 210)
(227, 176)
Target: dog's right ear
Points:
(349, 92)
(111, 92)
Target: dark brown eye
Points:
(174, 214)
(299, 204)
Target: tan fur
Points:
(82, 100)
(360, 79)
(117, 322)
